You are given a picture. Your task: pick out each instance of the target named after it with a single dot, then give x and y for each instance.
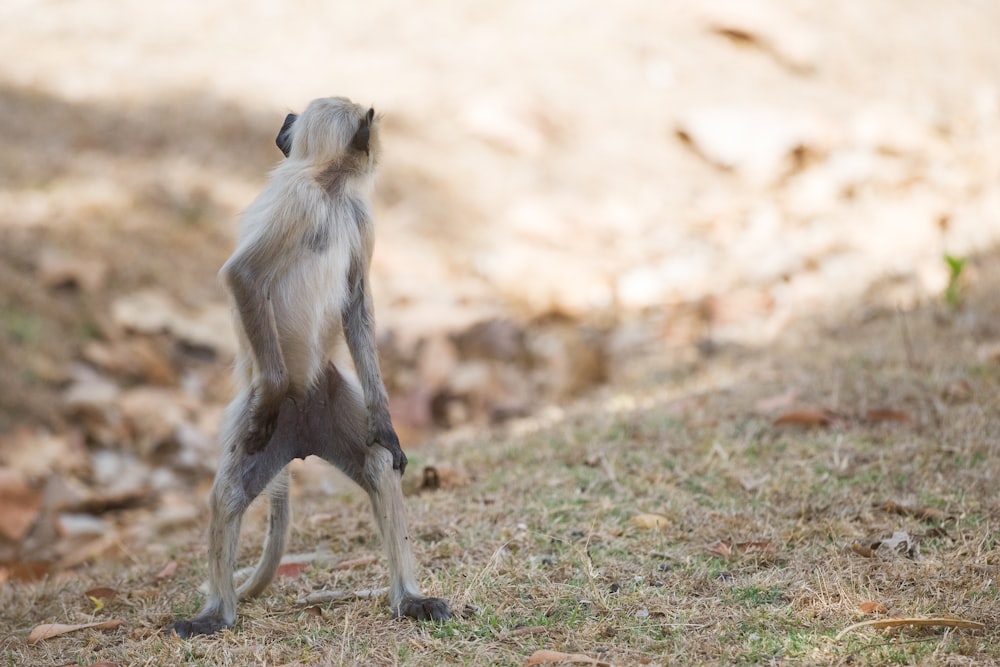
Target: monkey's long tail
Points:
(277, 535)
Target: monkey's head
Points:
(331, 129)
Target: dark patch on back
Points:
(318, 238)
(332, 178)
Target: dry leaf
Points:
(871, 608)
(812, 418)
(722, 547)
(527, 630)
(923, 513)
(726, 549)
(357, 562)
(168, 570)
(19, 505)
(24, 571)
(917, 622)
(754, 547)
(649, 521)
(443, 477)
(545, 657)
(862, 550)
(879, 416)
(50, 630)
(291, 569)
(102, 593)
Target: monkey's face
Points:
(332, 128)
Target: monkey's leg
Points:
(337, 431)
(278, 523)
(385, 491)
(239, 480)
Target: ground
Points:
(690, 308)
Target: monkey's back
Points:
(306, 238)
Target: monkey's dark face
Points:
(361, 141)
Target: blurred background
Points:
(573, 195)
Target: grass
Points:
(539, 550)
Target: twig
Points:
(882, 623)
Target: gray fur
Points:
(298, 282)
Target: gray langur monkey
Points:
(298, 283)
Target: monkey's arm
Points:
(359, 331)
(243, 276)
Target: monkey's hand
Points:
(381, 433)
(265, 405)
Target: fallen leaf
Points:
(917, 622)
(722, 547)
(923, 513)
(36, 453)
(19, 505)
(725, 548)
(102, 593)
(650, 521)
(50, 630)
(527, 630)
(291, 569)
(879, 416)
(168, 570)
(812, 418)
(442, 477)
(871, 608)
(754, 547)
(356, 562)
(862, 550)
(25, 571)
(545, 657)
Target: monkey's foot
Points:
(200, 625)
(424, 609)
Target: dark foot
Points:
(201, 625)
(424, 609)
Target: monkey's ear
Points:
(371, 115)
(284, 138)
(360, 140)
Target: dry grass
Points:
(539, 550)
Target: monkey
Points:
(298, 284)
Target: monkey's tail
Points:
(278, 524)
